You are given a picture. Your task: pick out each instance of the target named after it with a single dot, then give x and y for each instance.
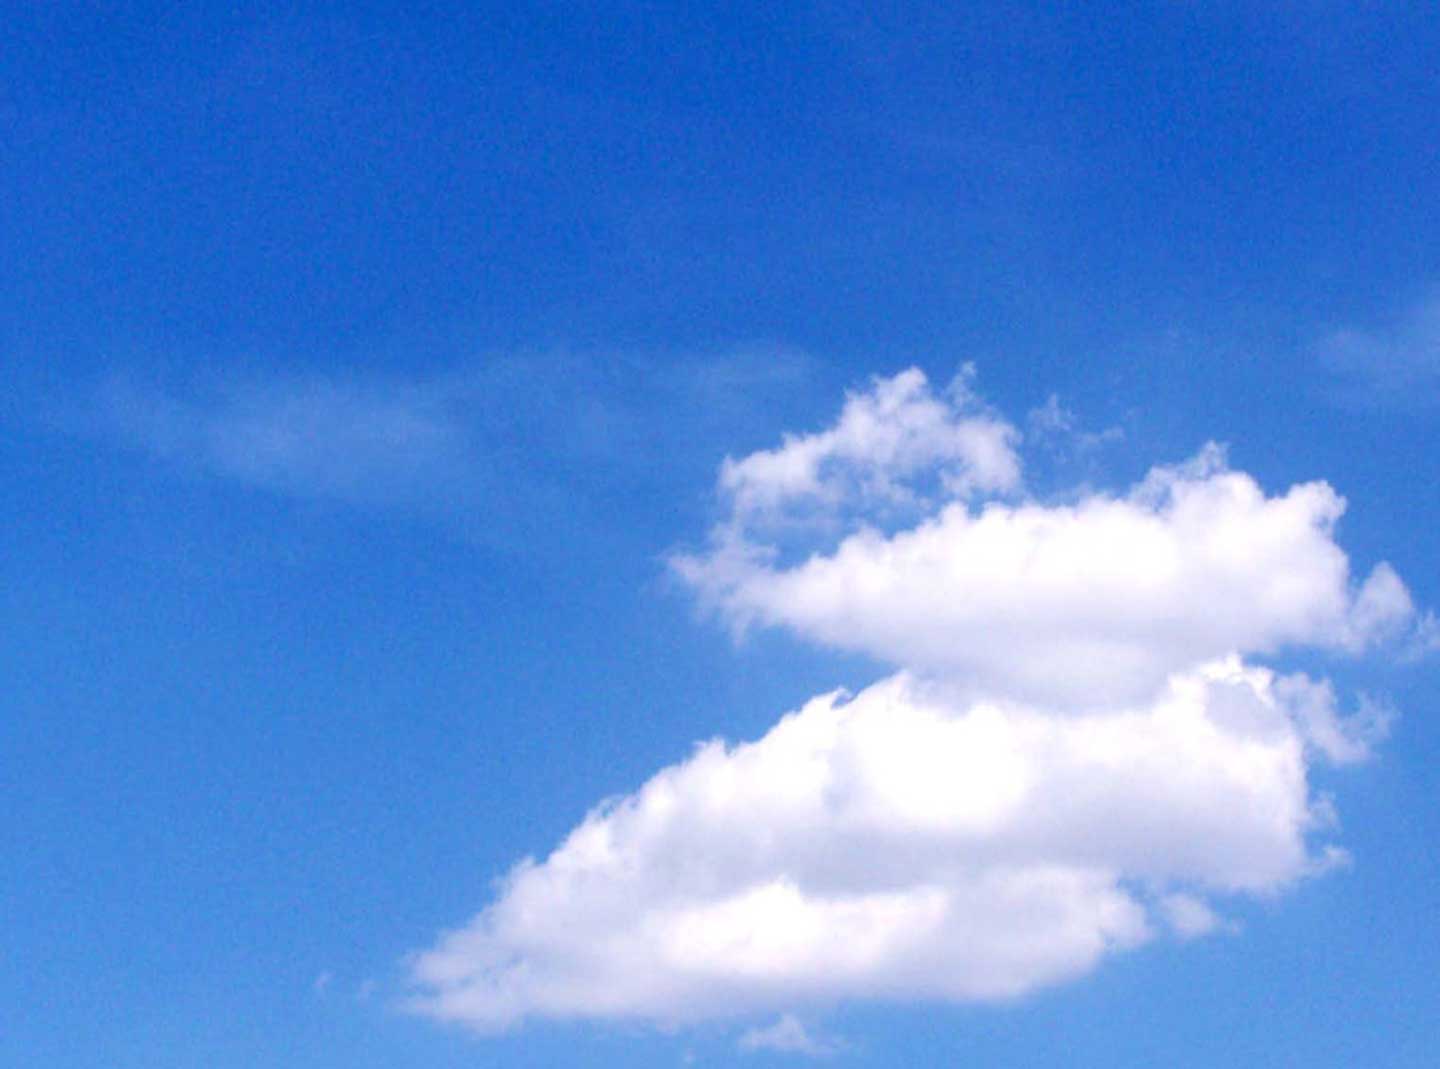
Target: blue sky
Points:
(418, 421)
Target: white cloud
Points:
(1189, 917)
(788, 1035)
(1092, 603)
(886, 438)
(1424, 640)
(897, 846)
(1077, 754)
(1342, 740)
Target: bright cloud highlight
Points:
(1086, 603)
(1076, 755)
(885, 440)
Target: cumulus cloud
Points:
(896, 845)
(1078, 754)
(1088, 603)
(886, 439)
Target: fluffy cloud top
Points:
(1088, 603)
(1075, 757)
(886, 441)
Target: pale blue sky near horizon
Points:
(366, 364)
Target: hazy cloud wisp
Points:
(1395, 365)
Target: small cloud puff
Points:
(887, 439)
(1055, 423)
(789, 1036)
(1190, 917)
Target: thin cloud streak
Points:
(501, 449)
(1396, 365)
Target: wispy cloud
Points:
(1059, 427)
(788, 1035)
(1079, 749)
(1397, 364)
(361, 441)
(500, 447)
(1190, 917)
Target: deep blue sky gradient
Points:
(256, 733)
